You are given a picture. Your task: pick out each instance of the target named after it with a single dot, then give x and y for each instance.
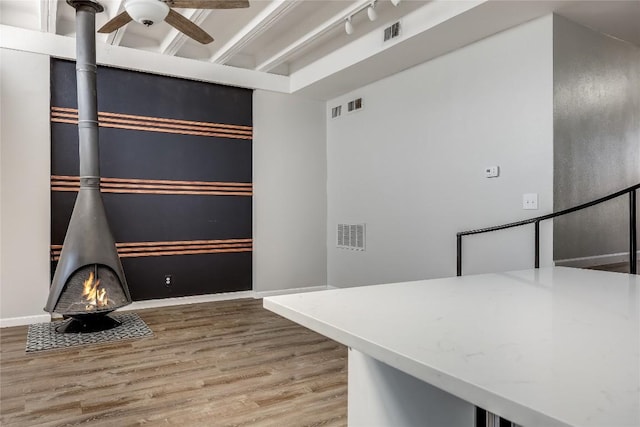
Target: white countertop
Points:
(549, 347)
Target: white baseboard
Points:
(24, 320)
(167, 302)
(264, 294)
(591, 261)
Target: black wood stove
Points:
(89, 281)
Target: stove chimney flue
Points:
(86, 72)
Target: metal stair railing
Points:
(633, 244)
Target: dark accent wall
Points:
(178, 149)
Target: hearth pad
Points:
(43, 336)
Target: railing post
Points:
(633, 254)
(459, 255)
(537, 245)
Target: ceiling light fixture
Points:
(348, 26)
(371, 11)
(396, 2)
(146, 12)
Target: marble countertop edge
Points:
(472, 393)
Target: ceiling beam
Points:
(115, 37)
(317, 32)
(48, 15)
(173, 41)
(267, 18)
(59, 46)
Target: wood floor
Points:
(228, 363)
(620, 267)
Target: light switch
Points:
(530, 201)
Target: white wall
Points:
(25, 169)
(289, 175)
(410, 164)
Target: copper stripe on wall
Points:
(156, 124)
(156, 186)
(183, 247)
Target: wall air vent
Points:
(354, 105)
(351, 236)
(392, 31)
(336, 111)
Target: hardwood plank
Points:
(619, 267)
(221, 363)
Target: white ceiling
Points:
(305, 39)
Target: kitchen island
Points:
(542, 347)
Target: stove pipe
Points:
(89, 240)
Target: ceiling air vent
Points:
(351, 236)
(354, 105)
(392, 31)
(336, 111)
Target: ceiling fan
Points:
(148, 12)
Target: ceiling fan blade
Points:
(208, 4)
(187, 27)
(116, 22)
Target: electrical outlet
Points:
(492, 171)
(530, 201)
(168, 280)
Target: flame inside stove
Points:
(95, 296)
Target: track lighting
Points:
(371, 12)
(348, 26)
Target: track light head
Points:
(371, 12)
(348, 26)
